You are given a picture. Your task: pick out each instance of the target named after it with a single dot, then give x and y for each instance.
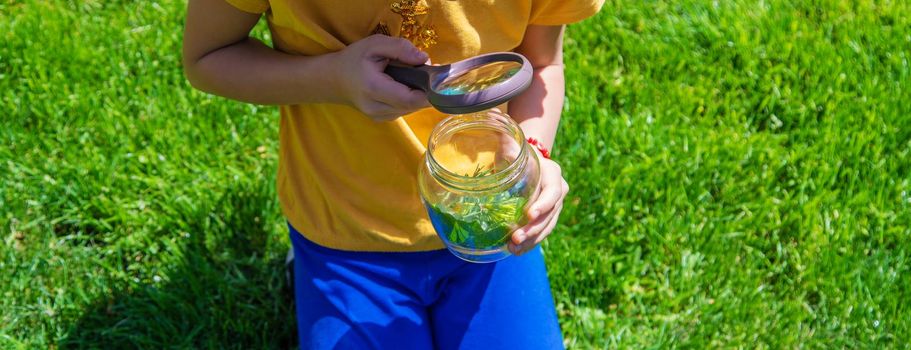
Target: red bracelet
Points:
(537, 144)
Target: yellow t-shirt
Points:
(345, 181)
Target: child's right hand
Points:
(363, 85)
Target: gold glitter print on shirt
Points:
(420, 35)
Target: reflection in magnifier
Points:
(478, 78)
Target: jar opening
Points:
(477, 152)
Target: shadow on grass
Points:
(223, 291)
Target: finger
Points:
(551, 193)
(386, 90)
(524, 233)
(541, 235)
(379, 111)
(398, 49)
(551, 224)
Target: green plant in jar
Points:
(480, 222)
(477, 180)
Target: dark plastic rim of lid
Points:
(490, 97)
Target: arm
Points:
(537, 111)
(219, 57)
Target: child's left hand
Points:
(544, 211)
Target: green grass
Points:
(740, 173)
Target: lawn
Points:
(740, 174)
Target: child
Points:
(370, 271)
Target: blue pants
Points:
(420, 300)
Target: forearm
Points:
(538, 109)
(252, 72)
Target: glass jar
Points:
(477, 180)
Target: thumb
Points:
(396, 49)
